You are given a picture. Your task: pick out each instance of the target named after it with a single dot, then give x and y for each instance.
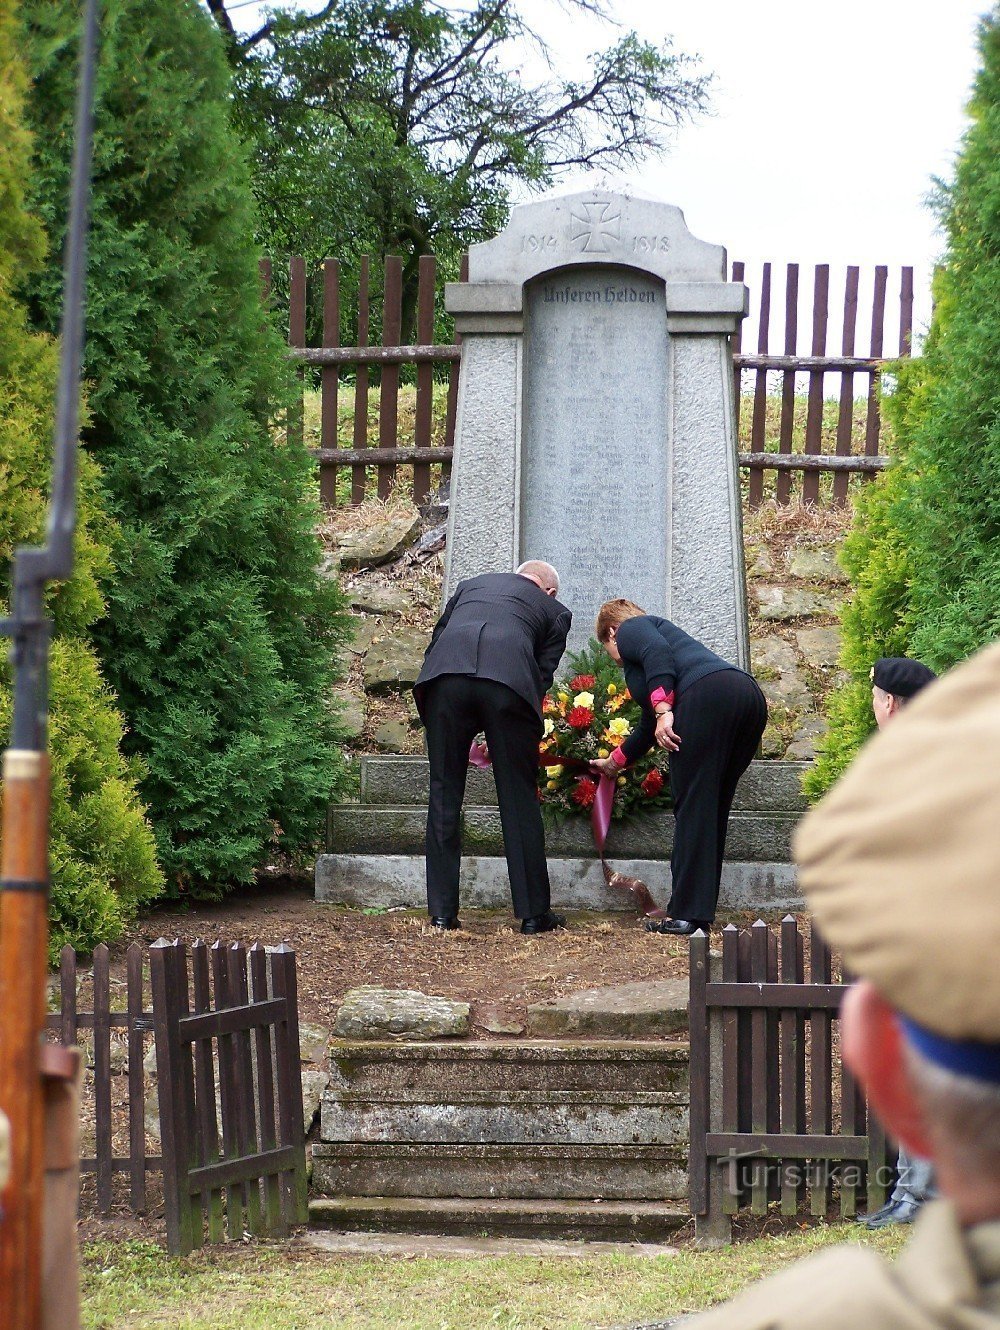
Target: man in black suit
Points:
(491, 661)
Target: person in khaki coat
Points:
(900, 864)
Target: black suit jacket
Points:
(499, 626)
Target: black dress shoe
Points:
(444, 921)
(543, 923)
(896, 1212)
(677, 927)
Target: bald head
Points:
(542, 574)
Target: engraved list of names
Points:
(594, 437)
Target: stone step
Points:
(376, 880)
(509, 1117)
(385, 829)
(511, 1172)
(624, 1221)
(440, 1070)
(654, 1007)
(766, 787)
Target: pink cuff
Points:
(619, 758)
(659, 695)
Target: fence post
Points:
(711, 1226)
(166, 965)
(286, 1031)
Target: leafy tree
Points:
(400, 126)
(924, 557)
(221, 636)
(101, 849)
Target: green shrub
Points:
(221, 637)
(924, 557)
(101, 848)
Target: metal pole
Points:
(24, 872)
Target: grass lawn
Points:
(133, 1284)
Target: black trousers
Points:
(456, 708)
(720, 720)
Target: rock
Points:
(432, 541)
(817, 563)
(819, 646)
(378, 544)
(314, 1083)
(391, 735)
(494, 1021)
(773, 653)
(762, 564)
(329, 565)
(373, 1013)
(365, 631)
(395, 662)
(314, 1043)
(772, 744)
(379, 599)
(803, 745)
(435, 506)
(780, 603)
(788, 690)
(628, 1011)
(351, 709)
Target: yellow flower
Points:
(603, 752)
(564, 698)
(620, 727)
(612, 689)
(557, 767)
(551, 784)
(621, 780)
(616, 703)
(584, 700)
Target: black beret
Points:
(901, 676)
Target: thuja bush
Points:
(221, 637)
(101, 847)
(924, 557)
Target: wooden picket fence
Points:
(786, 468)
(233, 1144)
(775, 1115)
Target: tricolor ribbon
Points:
(600, 821)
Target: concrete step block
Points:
(440, 1070)
(643, 1010)
(401, 829)
(766, 787)
(510, 1172)
(558, 1117)
(622, 1221)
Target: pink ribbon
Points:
(600, 822)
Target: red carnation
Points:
(582, 682)
(585, 792)
(653, 783)
(579, 718)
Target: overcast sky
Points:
(828, 121)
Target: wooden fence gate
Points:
(774, 1114)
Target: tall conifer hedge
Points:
(924, 555)
(101, 849)
(221, 636)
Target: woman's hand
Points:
(666, 735)
(607, 766)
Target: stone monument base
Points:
(374, 853)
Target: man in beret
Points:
(895, 680)
(914, 821)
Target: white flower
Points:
(547, 727)
(584, 700)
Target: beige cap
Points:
(900, 863)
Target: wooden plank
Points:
(66, 1021)
(759, 1065)
(102, 1075)
(358, 482)
(825, 462)
(832, 364)
(237, 1172)
(388, 411)
(173, 1125)
(814, 408)
(803, 997)
(182, 1089)
(273, 1217)
(235, 1019)
(906, 311)
(773, 1019)
(296, 337)
(452, 409)
(425, 376)
(782, 488)
(289, 1078)
(329, 381)
(730, 1065)
(820, 1069)
(417, 353)
(266, 283)
(845, 411)
(872, 422)
(758, 429)
(136, 1079)
(246, 1097)
(228, 1108)
(767, 1145)
(204, 1073)
(701, 1058)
